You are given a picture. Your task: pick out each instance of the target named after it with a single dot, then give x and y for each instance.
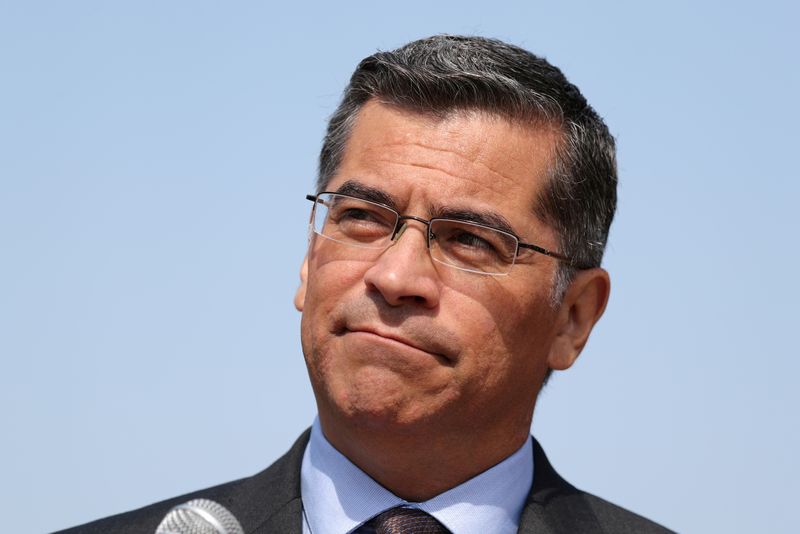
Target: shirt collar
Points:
(338, 496)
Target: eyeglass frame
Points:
(399, 229)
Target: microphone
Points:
(199, 516)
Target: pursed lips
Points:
(427, 346)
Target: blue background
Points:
(154, 158)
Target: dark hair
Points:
(445, 73)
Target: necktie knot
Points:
(403, 520)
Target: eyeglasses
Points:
(465, 245)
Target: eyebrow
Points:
(482, 217)
(366, 192)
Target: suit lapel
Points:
(270, 500)
(554, 506)
(286, 520)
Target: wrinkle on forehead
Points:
(499, 185)
(450, 161)
(454, 145)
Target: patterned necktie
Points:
(403, 521)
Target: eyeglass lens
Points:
(461, 244)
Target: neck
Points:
(417, 463)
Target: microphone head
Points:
(199, 516)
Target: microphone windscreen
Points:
(199, 516)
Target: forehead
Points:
(465, 157)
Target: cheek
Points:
(330, 278)
(508, 334)
(330, 281)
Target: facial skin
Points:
(425, 375)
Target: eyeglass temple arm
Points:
(550, 253)
(316, 199)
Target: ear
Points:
(300, 296)
(583, 304)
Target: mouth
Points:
(426, 346)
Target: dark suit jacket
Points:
(269, 503)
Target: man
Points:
(465, 194)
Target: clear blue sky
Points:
(154, 158)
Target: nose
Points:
(404, 273)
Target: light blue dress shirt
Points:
(338, 496)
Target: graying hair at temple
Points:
(442, 74)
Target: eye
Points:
(464, 239)
(358, 220)
(355, 214)
(471, 245)
(471, 240)
(358, 215)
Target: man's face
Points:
(394, 340)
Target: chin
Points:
(381, 400)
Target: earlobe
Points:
(300, 295)
(582, 306)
